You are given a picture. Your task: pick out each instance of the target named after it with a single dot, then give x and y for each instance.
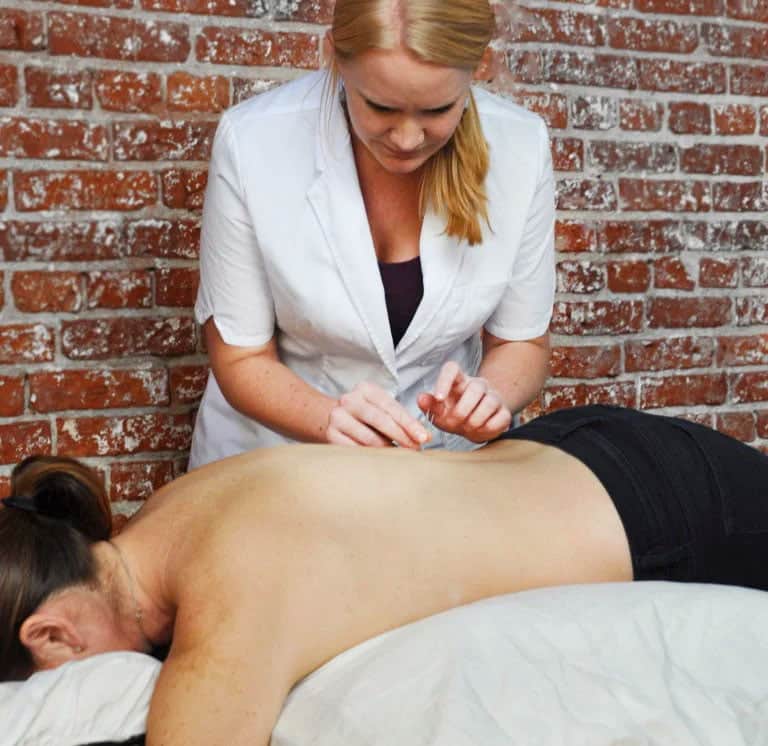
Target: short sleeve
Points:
(526, 307)
(234, 287)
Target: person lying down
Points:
(261, 567)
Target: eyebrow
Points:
(431, 110)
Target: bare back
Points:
(280, 559)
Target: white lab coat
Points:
(286, 249)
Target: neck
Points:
(139, 617)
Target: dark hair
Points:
(45, 544)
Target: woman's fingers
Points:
(370, 416)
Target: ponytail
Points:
(58, 507)
(454, 179)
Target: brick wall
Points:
(659, 117)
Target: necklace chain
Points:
(138, 614)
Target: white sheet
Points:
(103, 698)
(636, 664)
(620, 664)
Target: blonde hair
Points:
(454, 33)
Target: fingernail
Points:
(422, 436)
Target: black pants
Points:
(693, 502)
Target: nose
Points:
(407, 135)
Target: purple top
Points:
(403, 289)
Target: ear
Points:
(51, 638)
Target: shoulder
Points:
(503, 118)
(296, 101)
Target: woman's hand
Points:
(465, 405)
(369, 416)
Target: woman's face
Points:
(401, 109)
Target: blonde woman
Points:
(377, 245)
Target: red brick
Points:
(117, 38)
(639, 115)
(764, 120)
(243, 46)
(3, 189)
(56, 391)
(629, 276)
(306, 11)
(749, 235)
(681, 7)
(573, 236)
(131, 288)
(578, 68)
(749, 387)
(585, 194)
(739, 160)
(594, 113)
(59, 139)
(163, 141)
(751, 310)
(21, 31)
(648, 236)
(121, 90)
(525, 65)
(188, 383)
(553, 107)
(665, 195)
(176, 239)
(582, 394)
(5, 486)
(734, 119)
(99, 339)
(681, 313)
(748, 10)
(736, 41)
(670, 272)
(50, 89)
(84, 190)
(567, 154)
(690, 118)
(754, 271)
(184, 188)
(9, 85)
(580, 277)
(177, 286)
(597, 317)
(110, 436)
(26, 343)
(252, 8)
(683, 391)
(589, 361)
(35, 292)
(137, 480)
(641, 35)
(607, 155)
(747, 196)
(556, 26)
(752, 350)
(193, 93)
(124, 4)
(718, 273)
(762, 425)
(681, 77)
(739, 425)
(669, 353)
(749, 80)
(21, 439)
(63, 242)
(11, 396)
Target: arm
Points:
(515, 370)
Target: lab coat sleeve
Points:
(526, 307)
(234, 287)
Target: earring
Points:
(466, 104)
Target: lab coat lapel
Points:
(441, 259)
(339, 208)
